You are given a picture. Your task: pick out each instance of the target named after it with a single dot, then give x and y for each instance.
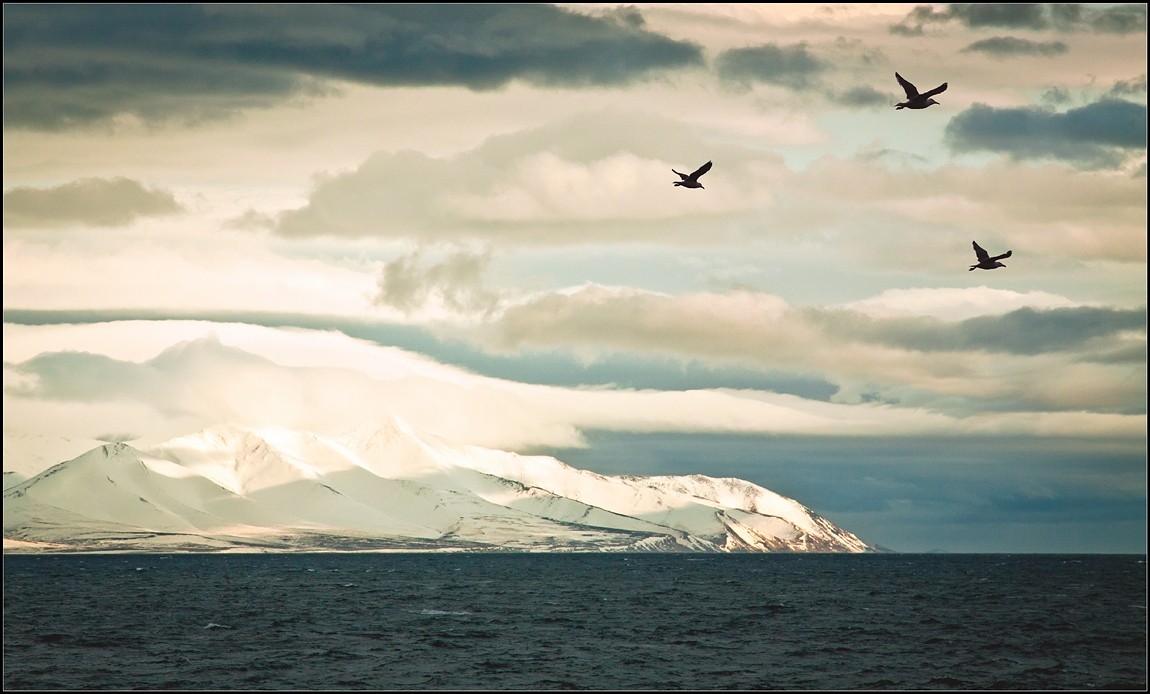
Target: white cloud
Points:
(312, 380)
(954, 303)
(546, 188)
(195, 271)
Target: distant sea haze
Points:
(504, 621)
(375, 488)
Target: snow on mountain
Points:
(385, 487)
(26, 455)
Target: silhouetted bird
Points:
(985, 261)
(913, 98)
(692, 181)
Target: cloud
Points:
(558, 367)
(750, 320)
(1101, 134)
(1024, 331)
(604, 178)
(1118, 19)
(209, 374)
(67, 66)
(320, 382)
(861, 97)
(1049, 208)
(1114, 19)
(793, 66)
(1130, 87)
(456, 283)
(87, 202)
(160, 268)
(952, 304)
(1009, 47)
(988, 360)
(594, 177)
(1017, 16)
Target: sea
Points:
(518, 621)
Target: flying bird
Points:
(985, 261)
(913, 98)
(692, 181)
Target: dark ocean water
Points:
(586, 621)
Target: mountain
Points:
(25, 455)
(386, 488)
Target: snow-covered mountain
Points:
(385, 487)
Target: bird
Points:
(692, 181)
(985, 261)
(913, 98)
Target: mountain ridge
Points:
(387, 487)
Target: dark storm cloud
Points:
(862, 97)
(1012, 15)
(912, 24)
(1096, 135)
(67, 65)
(1033, 331)
(1009, 47)
(1025, 331)
(786, 66)
(1124, 19)
(87, 202)
(1119, 19)
(962, 489)
(1131, 87)
(1056, 96)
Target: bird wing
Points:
(937, 90)
(701, 170)
(980, 251)
(1004, 255)
(681, 175)
(911, 90)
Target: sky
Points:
(463, 216)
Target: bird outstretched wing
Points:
(1004, 255)
(700, 171)
(980, 251)
(911, 90)
(937, 90)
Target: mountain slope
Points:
(387, 488)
